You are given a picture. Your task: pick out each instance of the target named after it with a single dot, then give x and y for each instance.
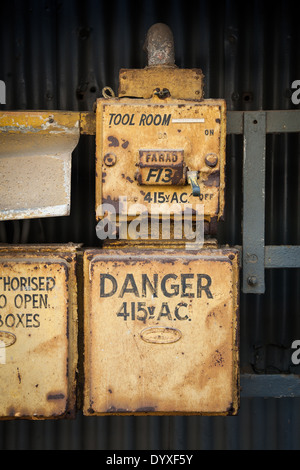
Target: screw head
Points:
(252, 281)
(211, 159)
(110, 159)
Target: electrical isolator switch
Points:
(167, 152)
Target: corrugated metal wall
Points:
(59, 54)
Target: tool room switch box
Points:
(147, 149)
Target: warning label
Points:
(161, 328)
(131, 287)
(23, 298)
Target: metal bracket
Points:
(256, 257)
(270, 385)
(254, 201)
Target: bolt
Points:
(252, 281)
(110, 159)
(211, 159)
(235, 96)
(247, 96)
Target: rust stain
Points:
(114, 142)
(218, 359)
(113, 409)
(49, 345)
(145, 409)
(213, 179)
(55, 396)
(115, 203)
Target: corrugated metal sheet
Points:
(59, 54)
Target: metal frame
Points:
(270, 386)
(256, 257)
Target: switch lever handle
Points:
(192, 180)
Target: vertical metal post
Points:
(254, 202)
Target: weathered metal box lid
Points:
(38, 331)
(161, 332)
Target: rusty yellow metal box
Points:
(38, 331)
(147, 148)
(161, 332)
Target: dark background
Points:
(58, 55)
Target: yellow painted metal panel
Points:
(38, 332)
(144, 83)
(161, 332)
(128, 127)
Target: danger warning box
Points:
(161, 332)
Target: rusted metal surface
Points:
(209, 243)
(161, 332)
(35, 164)
(127, 127)
(159, 45)
(88, 123)
(161, 77)
(38, 331)
(46, 122)
(161, 167)
(143, 83)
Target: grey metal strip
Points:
(254, 125)
(270, 386)
(283, 121)
(277, 121)
(235, 122)
(254, 202)
(282, 256)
